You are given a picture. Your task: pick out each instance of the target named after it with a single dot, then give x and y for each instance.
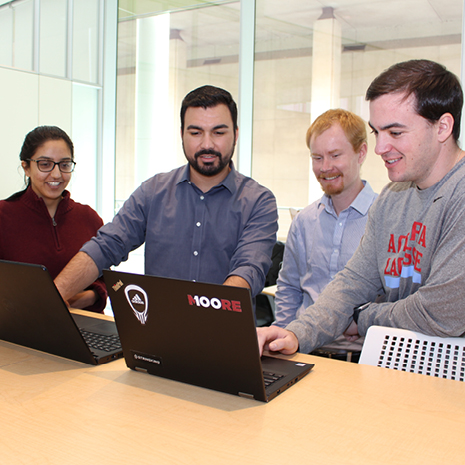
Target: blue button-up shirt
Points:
(189, 234)
(318, 246)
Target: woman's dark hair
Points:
(208, 97)
(436, 90)
(34, 140)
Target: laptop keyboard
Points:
(271, 378)
(107, 343)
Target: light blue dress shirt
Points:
(318, 246)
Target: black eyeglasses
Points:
(46, 166)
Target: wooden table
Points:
(56, 411)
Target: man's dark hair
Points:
(436, 90)
(208, 97)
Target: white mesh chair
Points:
(414, 352)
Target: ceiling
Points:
(211, 29)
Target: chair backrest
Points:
(414, 352)
(276, 261)
(293, 212)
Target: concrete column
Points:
(326, 63)
(326, 74)
(152, 126)
(177, 91)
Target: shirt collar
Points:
(33, 200)
(361, 203)
(229, 181)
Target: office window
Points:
(309, 56)
(85, 104)
(60, 38)
(53, 41)
(17, 35)
(162, 55)
(6, 35)
(59, 43)
(86, 41)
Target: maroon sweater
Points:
(28, 234)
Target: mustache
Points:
(329, 175)
(207, 152)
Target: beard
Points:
(332, 189)
(216, 166)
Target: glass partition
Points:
(53, 42)
(85, 104)
(309, 56)
(86, 40)
(162, 55)
(17, 35)
(61, 41)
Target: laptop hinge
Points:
(247, 396)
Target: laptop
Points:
(196, 333)
(33, 314)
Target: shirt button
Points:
(195, 253)
(202, 197)
(198, 224)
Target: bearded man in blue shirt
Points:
(202, 222)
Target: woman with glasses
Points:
(42, 224)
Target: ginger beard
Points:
(331, 184)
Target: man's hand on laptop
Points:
(277, 339)
(83, 299)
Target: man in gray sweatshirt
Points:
(408, 271)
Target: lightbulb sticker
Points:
(138, 300)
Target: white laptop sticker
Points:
(138, 300)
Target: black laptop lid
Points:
(33, 314)
(196, 337)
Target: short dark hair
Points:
(208, 97)
(436, 90)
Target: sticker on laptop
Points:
(217, 304)
(138, 300)
(141, 357)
